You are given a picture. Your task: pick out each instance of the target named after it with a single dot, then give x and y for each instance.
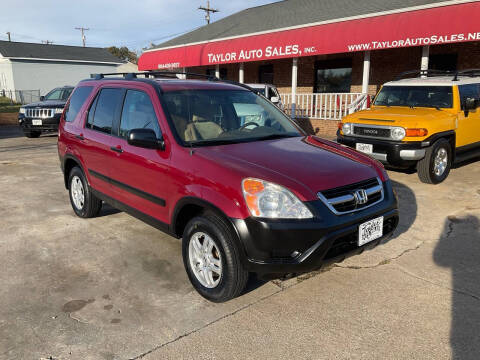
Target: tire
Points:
(427, 171)
(84, 203)
(32, 134)
(231, 278)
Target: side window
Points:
(138, 113)
(78, 98)
(469, 91)
(105, 106)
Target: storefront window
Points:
(265, 74)
(443, 62)
(333, 76)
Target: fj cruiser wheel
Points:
(435, 166)
(211, 258)
(32, 134)
(84, 203)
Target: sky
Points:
(134, 24)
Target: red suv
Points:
(218, 165)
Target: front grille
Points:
(39, 113)
(371, 131)
(350, 198)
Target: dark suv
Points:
(44, 116)
(246, 193)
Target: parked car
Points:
(262, 198)
(429, 122)
(270, 92)
(44, 116)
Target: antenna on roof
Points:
(208, 10)
(84, 38)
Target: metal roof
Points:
(32, 51)
(291, 13)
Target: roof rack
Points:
(168, 74)
(432, 73)
(427, 73)
(154, 74)
(467, 72)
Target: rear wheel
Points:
(32, 134)
(212, 259)
(84, 203)
(435, 166)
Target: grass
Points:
(6, 105)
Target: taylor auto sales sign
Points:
(432, 26)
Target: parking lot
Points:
(113, 287)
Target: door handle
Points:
(117, 149)
(80, 137)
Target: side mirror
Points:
(42, 98)
(274, 99)
(469, 104)
(145, 138)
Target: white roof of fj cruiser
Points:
(435, 81)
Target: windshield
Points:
(415, 96)
(213, 117)
(59, 94)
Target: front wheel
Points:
(435, 166)
(32, 134)
(212, 259)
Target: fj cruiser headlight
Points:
(58, 110)
(347, 129)
(268, 200)
(22, 110)
(397, 133)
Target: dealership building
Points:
(326, 56)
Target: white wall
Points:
(127, 67)
(6, 75)
(46, 75)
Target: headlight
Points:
(268, 200)
(347, 129)
(58, 110)
(397, 133)
(22, 110)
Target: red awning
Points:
(433, 26)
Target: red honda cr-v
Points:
(219, 166)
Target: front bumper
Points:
(48, 124)
(297, 246)
(396, 153)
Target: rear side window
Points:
(76, 101)
(138, 113)
(469, 91)
(104, 109)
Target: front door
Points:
(140, 177)
(468, 128)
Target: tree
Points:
(123, 53)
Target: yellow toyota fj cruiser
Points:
(430, 121)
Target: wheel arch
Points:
(69, 162)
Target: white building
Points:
(29, 66)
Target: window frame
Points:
(462, 98)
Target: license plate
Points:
(365, 148)
(36, 122)
(370, 230)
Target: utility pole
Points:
(208, 10)
(47, 42)
(82, 29)
(9, 38)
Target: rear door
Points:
(140, 177)
(96, 141)
(468, 130)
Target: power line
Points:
(82, 29)
(208, 10)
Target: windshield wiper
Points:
(274, 136)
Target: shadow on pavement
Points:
(407, 208)
(8, 132)
(459, 250)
